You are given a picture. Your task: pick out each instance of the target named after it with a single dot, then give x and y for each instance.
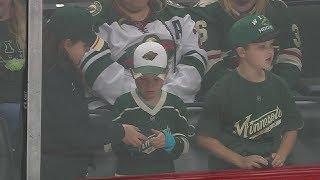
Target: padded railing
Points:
(292, 173)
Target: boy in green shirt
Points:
(250, 119)
(159, 115)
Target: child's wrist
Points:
(169, 141)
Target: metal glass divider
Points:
(34, 89)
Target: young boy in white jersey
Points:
(159, 115)
(250, 119)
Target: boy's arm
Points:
(221, 151)
(292, 122)
(180, 133)
(104, 76)
(132, 136)
(191, 60)
(287, 143)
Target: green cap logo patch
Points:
(263, 22)
(149, 56)
(250, 29)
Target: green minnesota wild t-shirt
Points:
(247, 117)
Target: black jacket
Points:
(67, 132)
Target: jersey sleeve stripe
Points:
(292, 51)
(177, 110)
(127, 109)
(198, 56)
(290, 59)
(96, 66)
(214, 54)
(194, 62)
(186, 143)
(97, 57)
(91, 54)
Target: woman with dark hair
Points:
(67, 135)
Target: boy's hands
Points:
(253, 161)
(278, 160)
(132, 136)
(159, 141)
(164, 140)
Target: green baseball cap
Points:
(251, 29)
(73, 22)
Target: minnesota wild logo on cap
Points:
(95, 8)
(250, 29)
(149, 56)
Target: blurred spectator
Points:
(125, 23)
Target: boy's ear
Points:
(241, 52)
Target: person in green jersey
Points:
(250, 119)
(213, 22)
(159, 115)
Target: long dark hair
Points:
(53, 52)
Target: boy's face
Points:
(259, 55)
(149, 86)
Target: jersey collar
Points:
(146, 108)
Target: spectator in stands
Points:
(250, 119)
(12, 68)
(214, 20)
(125, 23)
(161, 116)
(67, 134)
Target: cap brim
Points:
(148, 70)
(267, 37)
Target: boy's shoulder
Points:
(124, 100)
(225, 82)
(274, 77)
(221, 89)
(173, 99)
(277, 80)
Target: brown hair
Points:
(17, 23)
(260, 6)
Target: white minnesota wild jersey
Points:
(106, 69)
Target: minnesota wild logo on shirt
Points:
(253, 128)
